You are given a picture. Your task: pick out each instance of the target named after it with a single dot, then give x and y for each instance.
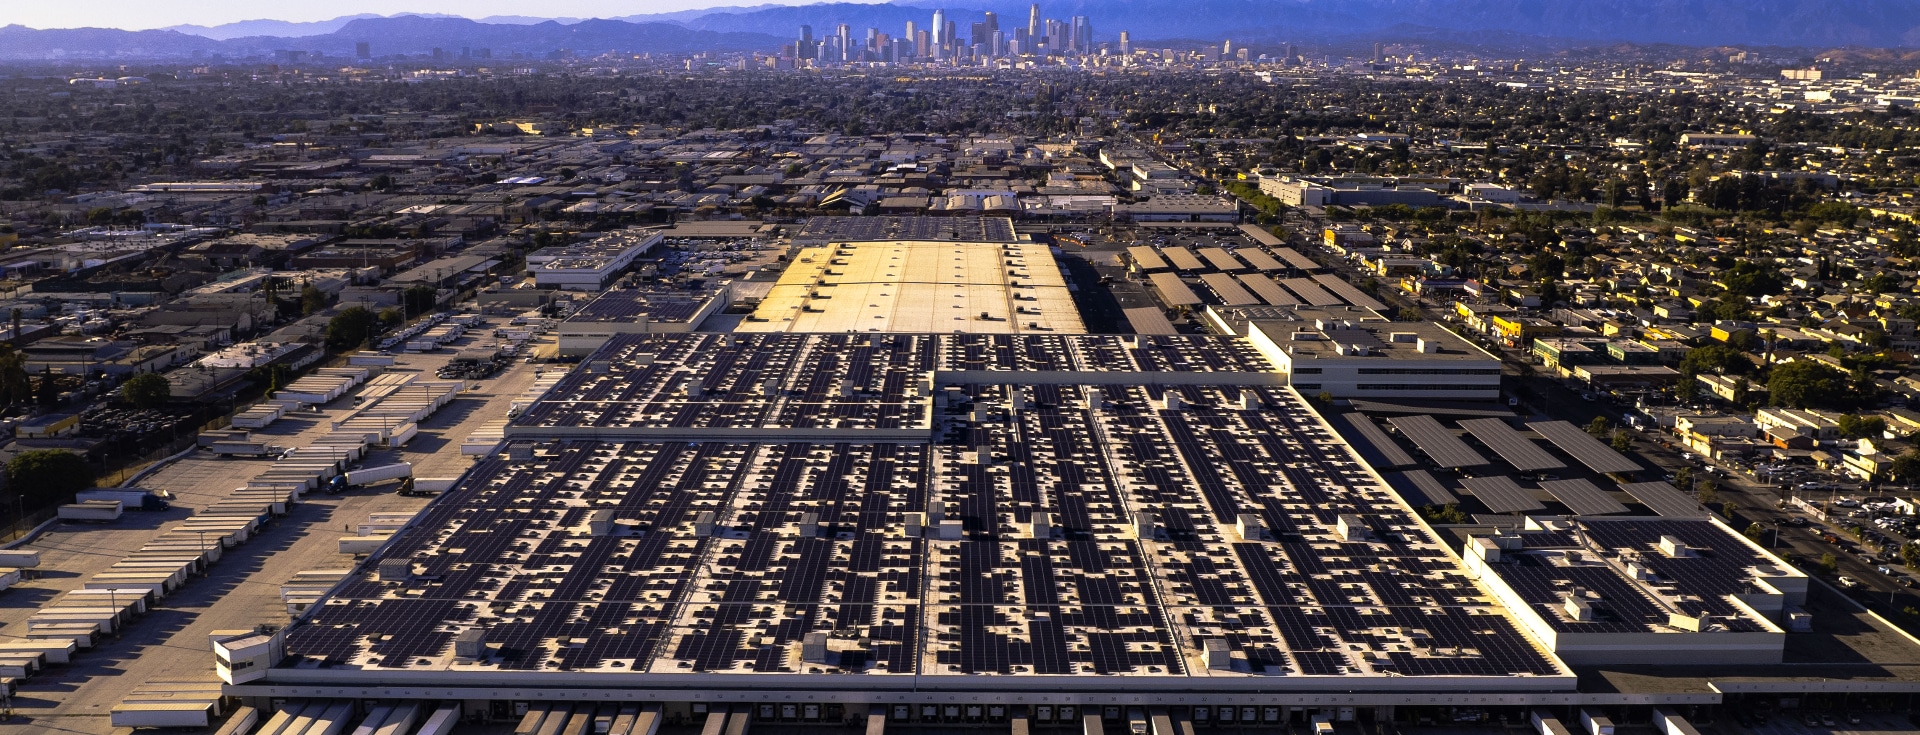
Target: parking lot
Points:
(1875, 723)
(242, 590)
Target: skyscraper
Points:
(939, 29)
(845, 34)
(1033, 23)
(1082, 35)
(1126, 44)
(804, 49)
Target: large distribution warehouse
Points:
(918, 528)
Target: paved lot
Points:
(243, 589)
(1878, 723)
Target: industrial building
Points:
(1351, 352)
(1118, 516)
(983, 529)
(591, 265)
(924, 286)
(639, 311)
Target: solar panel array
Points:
(1589, 451)
(1310, 292)
(631, 304)
(1437, 442)
(1665, 499)
(1590, 558)
(818, 230)
(1582, 497)
(1512, 446)
(1371, 440)
(1502, 494)
(1176, 515)
(1352, 294)
(1420, 488)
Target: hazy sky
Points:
(161, 13)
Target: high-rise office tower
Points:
(1378, 55)
(912, 32)
(951, 32)
(1022, 43)
(803, 49)
(999, 44)
(1033, 22)
(1082, 35)
(1126, 44)
(922, 43)
(845, 34)
(993, 21)
(939, 28)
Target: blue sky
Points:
(137, 14)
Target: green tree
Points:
(16, 385)
(1683, 479)
(1829, 563)
(1716, 359)
(48, 390)
(311, 300)
(46, 477)
(419, 299)
(1906, 467)
(1756, 531)
(1857, 427)
(1807, 384)
(1599, 427)
(1447, 515)
(1622, 440)
(1748, 278)
(349, 329)
(1705, 491)
(146, 390)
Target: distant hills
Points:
(1795, 23)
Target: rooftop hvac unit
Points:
(395, 570)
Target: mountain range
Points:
(1794, 23)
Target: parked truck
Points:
(370, 475)
(91, 510)
(432, 485)
(131, 498)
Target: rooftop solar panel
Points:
(1173, 291)
(1371, 438)
(1583, 447)
(1260, 235)
(1146, 258)
(1502, 494)
(1259, 259)
(1267, 290)
(1582, 497)
(1348, 291)
(1182, 258)
(1229, 290)
(1310, 292)
(1420, 487)
(1665, 499)
(1437, 442)
(1295, 259)
(1512, 446)
(1222, 260)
